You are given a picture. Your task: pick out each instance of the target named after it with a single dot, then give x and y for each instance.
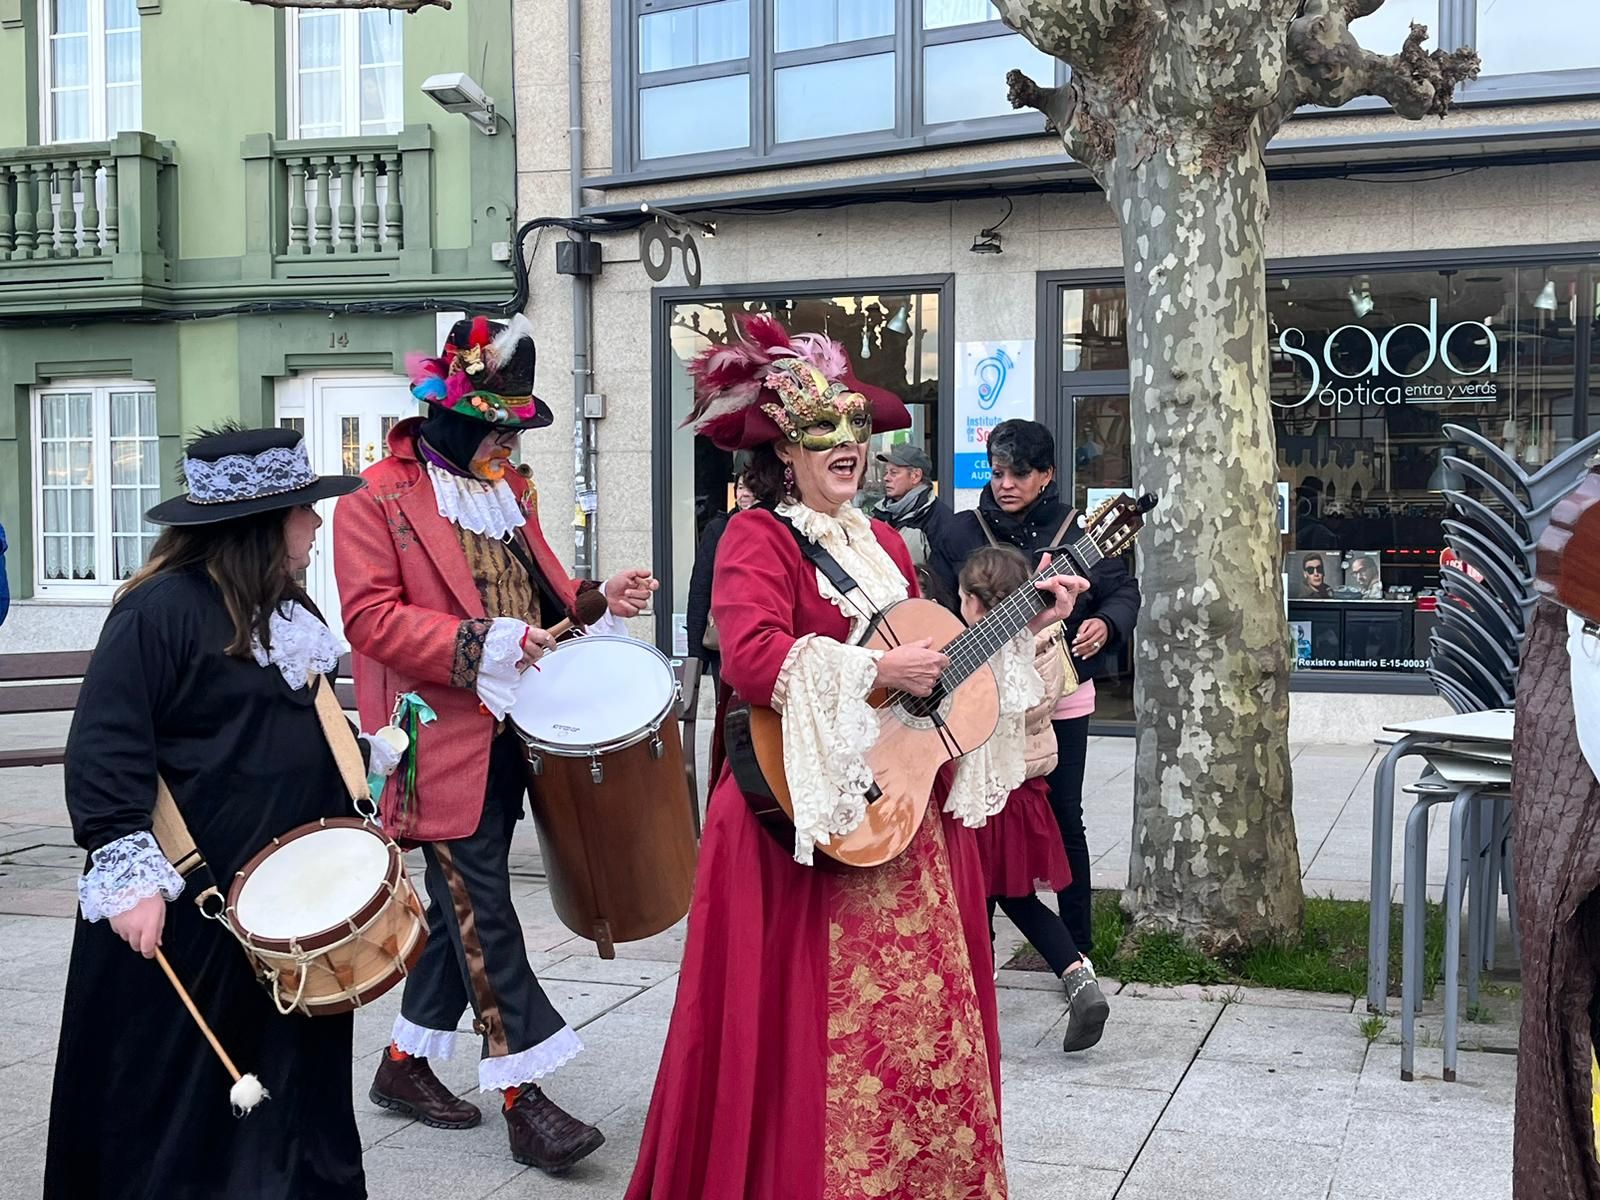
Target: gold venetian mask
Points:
(816, 414)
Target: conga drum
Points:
(605, 772)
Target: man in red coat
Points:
(447, 587)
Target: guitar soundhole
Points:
(925, 708)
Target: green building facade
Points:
(213, 210)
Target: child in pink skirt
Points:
(1021, 845)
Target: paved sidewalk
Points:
(1193, 1093)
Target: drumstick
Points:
(246, 1091)
(588, 608)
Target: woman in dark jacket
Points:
(1022, 507)
(698, 615)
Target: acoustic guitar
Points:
(1567, 561)
(918, 735)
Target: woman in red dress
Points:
(835, 1029)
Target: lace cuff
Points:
(527, 1066)
(990, 773)
(498, 676)
(1583, 649)
(421, 1041)
(828, 727)
(125, 872)
(382, 758)
(610, 625)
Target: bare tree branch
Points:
(1328, 67)
(1089, 142)
(405, 6)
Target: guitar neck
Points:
(1010, 617)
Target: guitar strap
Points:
(820, 557)
(737, 745)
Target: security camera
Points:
(458, 92)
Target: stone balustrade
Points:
(87, 210)
(336, 206)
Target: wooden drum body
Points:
(328, 916)
(605, 767)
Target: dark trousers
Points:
(1044, 929)
(475, 953)
(1066, 801)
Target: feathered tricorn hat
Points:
(486, 371)
(736, 386)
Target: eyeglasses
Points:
(1313, 570)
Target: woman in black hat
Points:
(202, 678)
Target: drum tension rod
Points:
(596, 771)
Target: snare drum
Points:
(328, 917)
(605, 765)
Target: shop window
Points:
(1367, 368)
(1523, 36)
(96, 472)
(893, 340)
(91, 69)
(726, 80)
(347, 76)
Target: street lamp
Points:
(458, 92)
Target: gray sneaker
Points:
(1087, 1009)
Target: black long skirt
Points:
(140, 1109)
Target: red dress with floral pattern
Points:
(835, 1031)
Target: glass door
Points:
(352, 421)
(1091, 428)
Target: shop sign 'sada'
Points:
(1462, 386)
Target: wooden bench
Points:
(39, 683)
(46, 683)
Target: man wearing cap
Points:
(909, 504)
(448, 588)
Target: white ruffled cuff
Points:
(125, 872)
(422, 1042)
(497, 672)
(828, 727)
(530, 1065)
(985, 777)
(382, 759)
(1583, 649)
(609, 625)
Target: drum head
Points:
(312, 883)
(593, 692)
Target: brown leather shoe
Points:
(409, 1086)
(545, 1135)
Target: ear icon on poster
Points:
(992, 372)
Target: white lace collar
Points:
(475, 505)
(301, 645)
(848, 536)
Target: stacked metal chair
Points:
(1476, 646)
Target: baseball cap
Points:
(904, 454)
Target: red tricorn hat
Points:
(733, 383)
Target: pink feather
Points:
(825, 354)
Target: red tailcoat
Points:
(405, 589)
(783, 961)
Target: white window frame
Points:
(349, 70)
(99, 89)
(104, 585)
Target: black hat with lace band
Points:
(242, 472)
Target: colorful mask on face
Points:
(810, 401)
(491, 464)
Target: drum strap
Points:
(172, 832)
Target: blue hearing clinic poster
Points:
(994, 383)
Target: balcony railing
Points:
(86, 212)
(340, 206)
